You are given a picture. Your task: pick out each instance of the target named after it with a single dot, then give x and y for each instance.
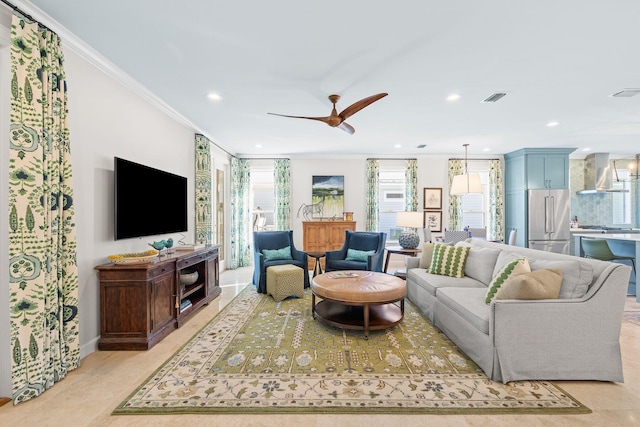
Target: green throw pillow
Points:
(514, 268)
(448, 260)
(275, 254)
(356, 255)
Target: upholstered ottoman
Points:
(285, 281)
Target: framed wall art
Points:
(433, 198)
(433, 221)
(327, 194)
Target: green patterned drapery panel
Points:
(203, 190)
(372, 199)
(43, 274)
(411, 186)
(455, 202)
(240, 213)
(495, 228)
(282, 193)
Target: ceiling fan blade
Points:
(357, 106)
(320, 119)
(347, 128)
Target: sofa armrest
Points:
(595, 317)
(411, 262)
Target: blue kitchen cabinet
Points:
(531, 169)
(547, 171)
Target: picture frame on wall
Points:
(433, 198)
(433, 221)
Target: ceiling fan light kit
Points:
(338, 120)
(467, 182)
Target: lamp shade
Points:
(466, 183)
(410, 219)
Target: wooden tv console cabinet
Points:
(140, 303)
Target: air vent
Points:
(495, 97)
(626, 93)
(422, 146)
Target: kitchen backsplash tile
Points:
(593, 209)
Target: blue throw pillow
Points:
(275, 254)
(356, 255)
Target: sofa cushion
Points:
(576, 275)
(480, 262)
(449, 260)
(469, 304)
(427, 254)
(275, 254)
(504, 258)
(432, 282)
(518, 266)
(356, 255)
(539, 284)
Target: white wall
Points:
(432, 172)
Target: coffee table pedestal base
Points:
(364, 317)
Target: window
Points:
(475, 207)
(391, 191)
(621, 202)
(262, 200)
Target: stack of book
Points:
(189, 248)
(185, 304)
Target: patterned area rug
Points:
(632, 316)
(260, 356)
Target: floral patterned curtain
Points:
(495, 228)
(204, 189)
(240, 213)
(411, 185)
(43, 273)
(372, 199)
(455, 202)
(282, 190)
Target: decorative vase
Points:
(409, 239)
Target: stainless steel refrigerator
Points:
(549, 217)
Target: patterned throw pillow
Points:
(448, 260)
(519, 266)
(539, 284)
(276, 254)
(356, 255)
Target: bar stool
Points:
(599, 249)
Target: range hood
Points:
(597, 175)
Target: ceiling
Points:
(555, 60)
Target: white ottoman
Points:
(285, 281)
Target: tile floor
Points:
(88, 395)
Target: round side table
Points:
(317, 268)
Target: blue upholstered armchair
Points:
(269, 249)
(361, 251)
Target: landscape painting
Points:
(327, 194)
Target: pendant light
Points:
(467, 182)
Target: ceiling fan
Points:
(338, 120)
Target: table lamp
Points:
(409, 239)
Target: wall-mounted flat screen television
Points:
(148, 201)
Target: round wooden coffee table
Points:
(360, 300)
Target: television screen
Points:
(148, 201)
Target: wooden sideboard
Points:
(140, 303)
(322, 236)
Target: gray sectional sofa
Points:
(573, 337)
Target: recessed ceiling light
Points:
(626, 93)
(214, 96)
(552, 124)
(486, 149)
(586, 149)
(397, 146)
(258, 145)
(453, 97)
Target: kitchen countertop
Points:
(630, 237)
